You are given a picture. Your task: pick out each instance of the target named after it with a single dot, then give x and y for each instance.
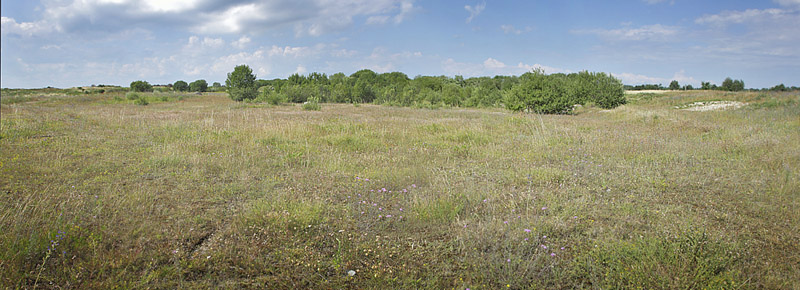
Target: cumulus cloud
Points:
(312, 17)
(656, 32)
(492, 67)
(749, 15)
(651, 2)
(11, 26)
(638, 79)
(242, 42)
(474, 11)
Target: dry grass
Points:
(203, 192)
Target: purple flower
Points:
(508, 260)
(527, 230)
(553, 254)
(401, 209)
(543, 247)
(562, 248)
(544, 208)
(505, 222)
(380, 216)
(388, 215)
(414, 185)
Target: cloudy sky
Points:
(65, 43)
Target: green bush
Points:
(198, 86)
(141, 102)
(132, 96)
(180, 86)
(312, 105)
(241, 84)
(141, 86)
(540, 93)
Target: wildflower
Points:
(526, 239)
(544, 208)
(509, 260)
(505, 222)
(527, 230)
(544, 237)
(552, 254)
(380, 216)
(388, 215)
(414, 185)
(351, 273)
(543, 247)
(401, 209)
(562, 248)
(380, 208)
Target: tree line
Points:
(728, 84)
(532, 92)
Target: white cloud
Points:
(508, 29)
(300, 69)
(749, 15)
(313, 17)
(637, 79)
(474, 11)
(10, 26)
(493, 64)
(651, 2)
(788, 2)
(242, 42)
(492, 67)
(378, 19)
(656, 32)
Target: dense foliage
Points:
(241, 83)
(180, 86)
(198, 86)
(141, 86)
(533, 92)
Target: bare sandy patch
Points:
(711, 106)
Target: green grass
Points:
(202, 192)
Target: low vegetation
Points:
(205, 192)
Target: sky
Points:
(68, 43)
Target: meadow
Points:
(199, 191)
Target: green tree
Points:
(241, 83)
(674, 85)
(180, 86)
(198, 86)
(727, 84)
(539, 93)
(141, 86)
(705, 85)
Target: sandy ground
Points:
(711, 106)
(648, 92)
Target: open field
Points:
(203, 192)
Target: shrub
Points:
(540, 93)
(241, 84)
(198, 86)
(180, 86)
(132, 96)
(141, 102)
(141, 86)
(312, 105)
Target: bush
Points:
(241, 84)
(180, 86)
(141, 86)
(198, 86)
(141, 102)
(132, 96)
(312, 105)
(540, 93)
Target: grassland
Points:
(202, 192)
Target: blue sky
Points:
(65, 43)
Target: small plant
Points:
(165, 99)
(141, 102)
(132, 96)
(312, 105)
